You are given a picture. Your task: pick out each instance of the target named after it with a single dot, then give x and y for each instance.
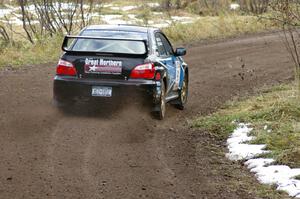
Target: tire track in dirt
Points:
(64, 155)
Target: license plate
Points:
(99, 91)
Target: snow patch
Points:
(132, 16)
(158, 13)
(124, 8)
(107, 5)
(179, 18)
(275, 174)
(161, 25)
(266, 173)
(127, 8)
(265, 127)
(153, 5)
(15, 18)
(4, 12)
(112, 19)
(238, 150)
(234, 6)
(184, 20)
(245, 151)
(115, 8)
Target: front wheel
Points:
(183, 94)
(161, 106)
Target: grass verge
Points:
(23, 53)
(274, 114)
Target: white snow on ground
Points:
(187, 22)
(158, 13)
(127, 8)
(234, 6)
(132, 16)
(110, 17)
(281, 175)
(153, 5)
(245, 151)
(4, 12)
(161, 25)
(107, 5)
(118, 19)
(275, 174)
(114, 19)
(179, 18)
(15, 18)
(115, 8)
(238, 150)
(259, 162)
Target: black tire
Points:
(160, 110)
(183, 94)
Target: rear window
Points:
(111, 44)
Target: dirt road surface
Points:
(101, 153)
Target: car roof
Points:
(129, 28)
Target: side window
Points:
(160, 46)
(167, 45)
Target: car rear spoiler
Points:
(66, 49)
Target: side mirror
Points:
(180, 52)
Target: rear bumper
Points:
(73, 88)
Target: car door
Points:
(169, 61)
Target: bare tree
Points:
(4, 36)
(213, 7)
(178, 4)
(166, 4)
(254, 6)
(26, 19)
(287, 13)
(50, 17)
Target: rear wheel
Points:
(183, 94)
(161, 106)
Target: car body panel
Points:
(172, 68)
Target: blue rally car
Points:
(108, 62)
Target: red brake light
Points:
(158, 76)
(144, 71)
(65, 68)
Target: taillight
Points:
(144, 71)
(65, 68)
(157, 76)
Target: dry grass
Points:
(217, 27)
(24, 53)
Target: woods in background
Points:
(214, 7)
(45, 18)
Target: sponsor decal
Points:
(103, 66)
(177, 77)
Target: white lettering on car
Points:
(177, 77)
